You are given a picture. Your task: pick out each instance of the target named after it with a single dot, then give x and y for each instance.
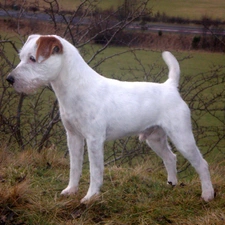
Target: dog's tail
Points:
(174, 68)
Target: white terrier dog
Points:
(97, 109)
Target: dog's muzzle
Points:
(10, 79)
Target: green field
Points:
(191, 8)
(198, 61)
(186, 9)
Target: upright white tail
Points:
(174, 68)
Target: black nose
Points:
(10, 79)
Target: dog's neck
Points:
(74, 76)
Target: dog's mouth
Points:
(23, 86)
(20, 88)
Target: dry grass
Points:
(31, 183)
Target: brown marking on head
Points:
(47, 46)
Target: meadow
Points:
(185, 9)
(31, 183)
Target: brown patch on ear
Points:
(47, 46)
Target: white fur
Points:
(97, 109)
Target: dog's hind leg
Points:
(182, 137)
(156, 139)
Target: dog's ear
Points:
(32, 36)
(47, 46)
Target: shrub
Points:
(160, 33)
(195, 42)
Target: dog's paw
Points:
(208, 195)
(88, 200)
(172, 182)
(69, 191)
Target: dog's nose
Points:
(10, 79)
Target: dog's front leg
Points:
(76, 151)
(96, 159)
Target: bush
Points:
(160, 33)
(195, 42)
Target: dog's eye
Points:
(32, 58)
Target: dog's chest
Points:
(71, 124)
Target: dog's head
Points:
(41, 61)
